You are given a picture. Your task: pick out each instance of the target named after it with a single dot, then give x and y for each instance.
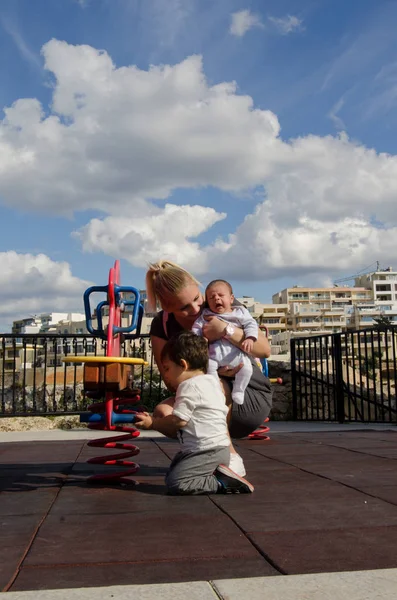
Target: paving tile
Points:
(388, 452)
(150, 572)
(363, 444)
(285, 475)
(75, 539)
(309, 450)
(10, 557)
(384, 492)
(275, 439)
(359, 477)
(145, 498)
(343, 549)
(322, 511)
(26, 502)
(17, 530)
(32, 477)
(39, 452)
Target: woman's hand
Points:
(229, 371)
(214, 328)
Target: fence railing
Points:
(35, 381)
(347, 376)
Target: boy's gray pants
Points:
(193, 472)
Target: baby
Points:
(219, 297)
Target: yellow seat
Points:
(105, 359)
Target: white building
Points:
(382, 284)
(44, 322)
(272, 317)
(365, 315)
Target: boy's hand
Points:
(143, 421)
(247, 345)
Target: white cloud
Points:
(121, 140)
(116, 135)
(31, 284)
(243, 21)
(145, 237)
(286, 25)
(309, 246)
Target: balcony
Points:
(293, 297)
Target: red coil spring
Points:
(260, 433)
(117, 442)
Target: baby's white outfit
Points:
(223, 353)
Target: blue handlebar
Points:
(135, 303)
(137, 312)
(87, 309)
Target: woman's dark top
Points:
(157, 326)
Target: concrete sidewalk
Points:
(359, 585)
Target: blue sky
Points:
(286, 178)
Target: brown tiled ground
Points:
(322, 502)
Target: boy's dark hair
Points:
(211, 283)
(189, 347)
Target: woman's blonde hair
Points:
(165, 278)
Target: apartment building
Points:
(271, 317)
(323, 298)
(381, 284)
(325, 309)
(281, 342)
(44, 322)
(366, 315)
(16, 355)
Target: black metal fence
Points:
(35, 381)
(347, 376)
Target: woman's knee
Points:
(164, 409)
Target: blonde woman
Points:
(178, 294)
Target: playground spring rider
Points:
(109, 377)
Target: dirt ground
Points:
(39, 423)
